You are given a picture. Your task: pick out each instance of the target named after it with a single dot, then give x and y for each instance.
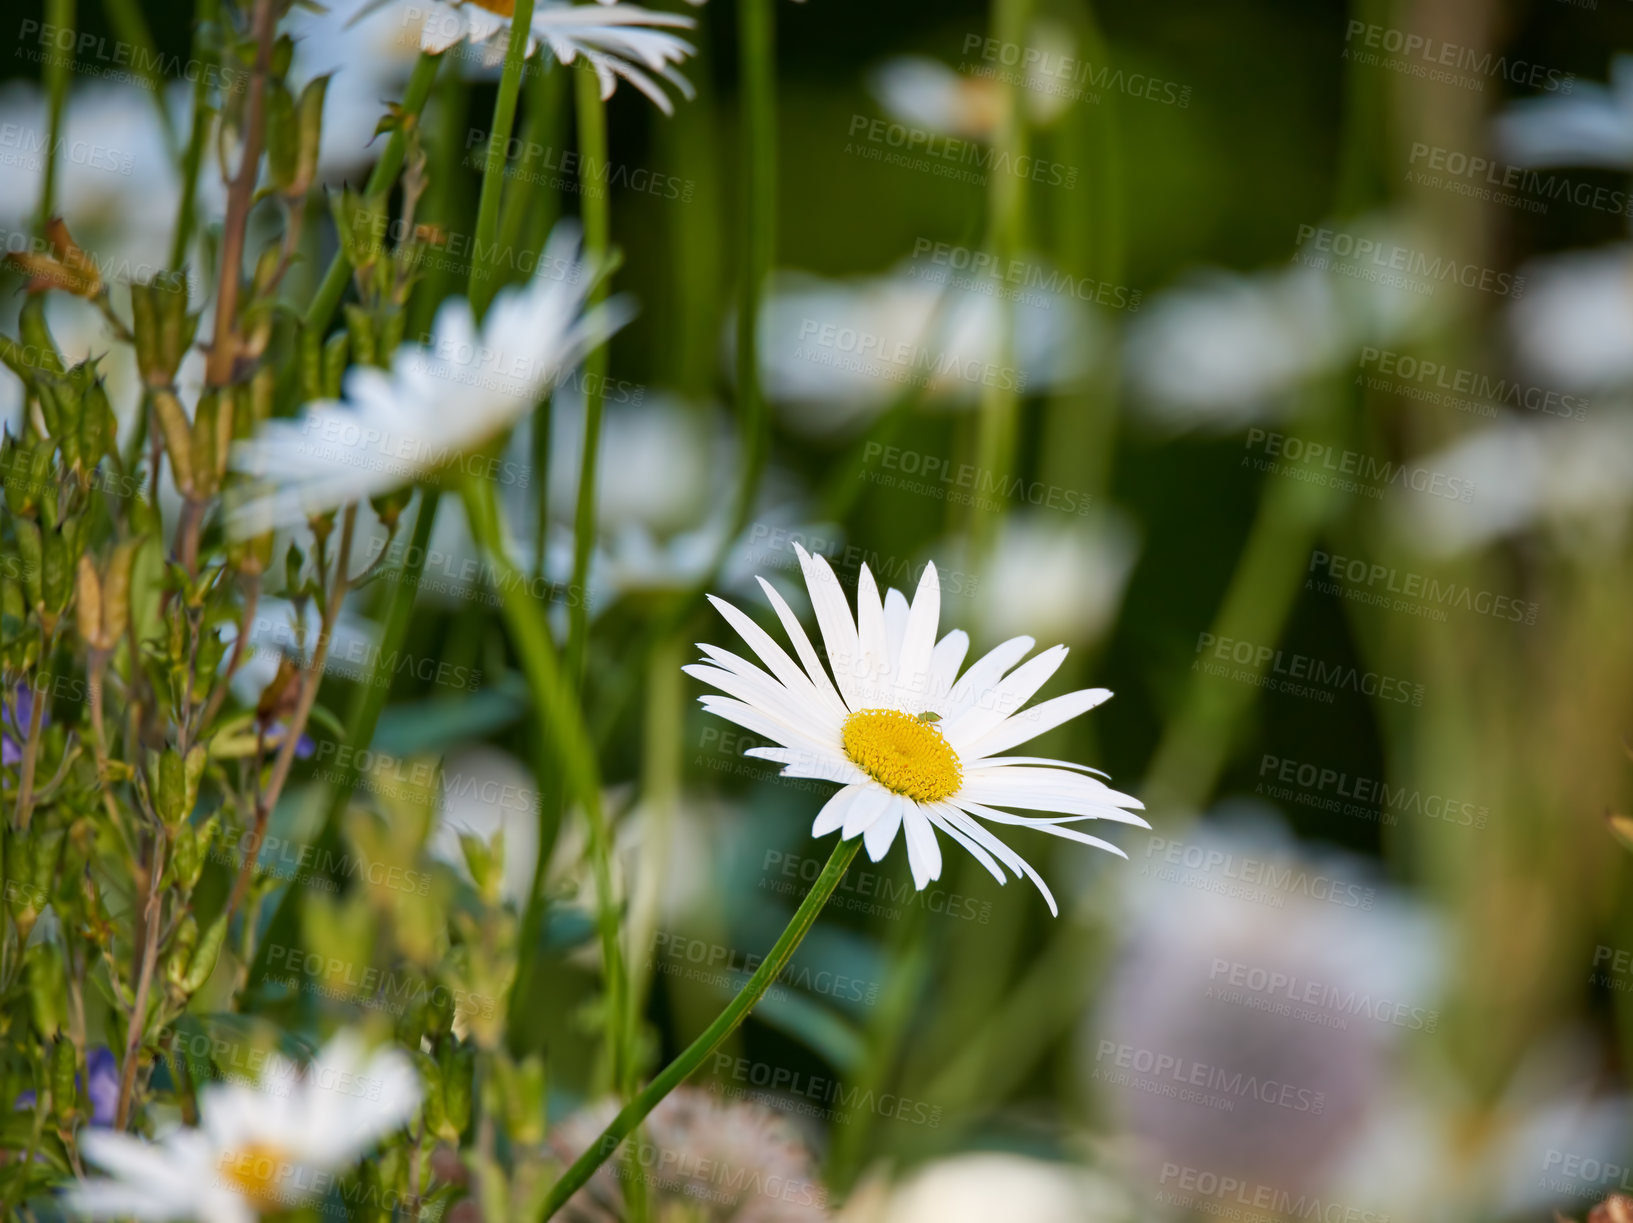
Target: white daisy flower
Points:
(1575, 321)
(437, 404)
(925, 92)
(834, 353)
(617, 40)
(915, 745)
(257, 1148)
(982, 1185)
(1591, 126)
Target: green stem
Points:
(592, 159)
(131, 28)
(727, 1022)
(59, 13)
(758, 108)
(207, 14)
(484, 252)
(563, 738)
(1006, 204)
(385, 170)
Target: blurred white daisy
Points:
(705, 1160)
(985, 1185)
(1590, 126)
(1226, 349)
(1575, 477)
(438, 403)
(915, 745)
(925, 92)
(1061, 576)
(616, 40)
(835, 352)
(1574, 326)
(257, 1148)
(1248, 957)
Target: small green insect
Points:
(929, 716)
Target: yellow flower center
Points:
(256, 1170)
(500, 8)
(902, 753)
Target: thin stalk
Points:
(385, 170)
(597, 210)
(758, 109)
(484, 252)
(131, 28)
(679, 1070)
(59, 13)
(563, 738)
(186, 214)
(1006, 220)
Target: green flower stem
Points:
(674, 1074)
(59, 13)
(592, 160)
(206, 15)
(484, 248)
(758, 115)
(563, 738)
(1006, 221)
(131, 28)
(385, 170)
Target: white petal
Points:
(832, 816)
(896, 612)
(877, 662)
(1027, 724)
(834, 620)
(914, 672)
(879, 835)
(923, 851)
(873, 803)
(802, 645)
(1009, 695)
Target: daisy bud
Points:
(47, 977)
(309, 133)
(282, 139)
(361, 329)
(31, 549)
(37, 336)
(88, 604)
(64, 1088)
(177, 435)
(164, 328)
(116, 591)
(204, 957)
(181, 952)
